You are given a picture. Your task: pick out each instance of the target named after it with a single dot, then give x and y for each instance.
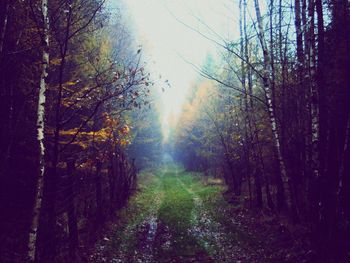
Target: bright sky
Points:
(167, 42)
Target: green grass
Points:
(176, 198)
(139, 207)
(175, 212)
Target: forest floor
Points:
(177, 216)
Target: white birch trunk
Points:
(267, 90)
(4, 26)
(40, 135)
(314, 96)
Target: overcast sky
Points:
(160, 29)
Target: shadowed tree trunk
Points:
(3, 25)
(112, 178)
(98, 185)
(72, 217)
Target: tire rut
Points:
(213, 236)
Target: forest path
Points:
(177, 216)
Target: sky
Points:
(162, 29)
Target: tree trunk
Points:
(258, 191)
(267, 90)
(40, 135)
(112, 177)
(72, 217)
(313, 120)
(4, 25)
(272, 57)
(246, 91)
(98, 185)
(260, 159)
(53, 182)
(343, 194)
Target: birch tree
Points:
(267, 72)
(4, 25)
(40, 134)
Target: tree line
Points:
(272, 115)
(72, 81)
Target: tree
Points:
(32, 243)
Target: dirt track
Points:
(177, 217)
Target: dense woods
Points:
(70, 74)
(270, 115)
(273, 116)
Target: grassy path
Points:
(177, 217)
